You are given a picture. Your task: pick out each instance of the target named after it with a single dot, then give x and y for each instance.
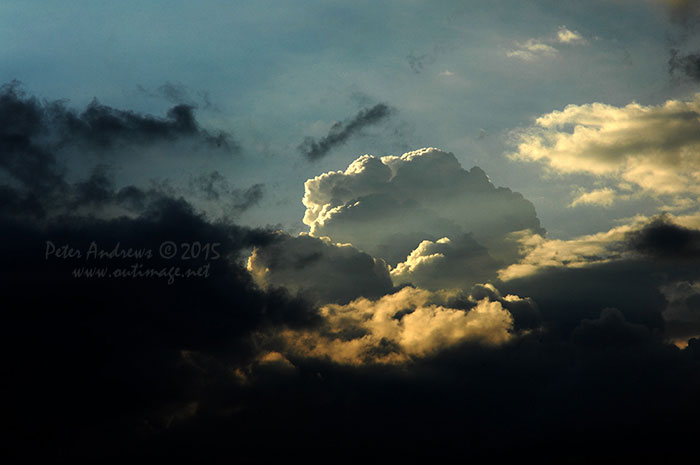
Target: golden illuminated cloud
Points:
(400, 327)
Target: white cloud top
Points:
(387, 206)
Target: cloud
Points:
(156, 349)
(661, 237)
(319, 269)
(645, 268)
(533, 49)
(565, 36)
(446, 264)
(179, 94)
(682, 313)
(214, 188)
(341, 132)
(55, 160)
(688, 65)
(655, 147)
(154, 334)
(611, 329)
(683, 12)
(419, 62)
(602, 197)
(232, 365)
(387, 207)
(397, 327)
(540, 253)
(27, 121)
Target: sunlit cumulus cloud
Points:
(402, 326)
(388, 206)
(655, 148)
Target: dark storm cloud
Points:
(102, 126)
(104, 362)
(322, 270)
(34, 134)
(101, 362)
(341, 132)
(27, 122)
(661, 238)
(565, 296)
(74, 343)
(687, 65)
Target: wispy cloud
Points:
(536, 48)
(341, 132)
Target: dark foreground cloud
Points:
(95, 361)
(107, 336)
(341, 132)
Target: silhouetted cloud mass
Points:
(26, 120)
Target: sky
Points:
(336, 231)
